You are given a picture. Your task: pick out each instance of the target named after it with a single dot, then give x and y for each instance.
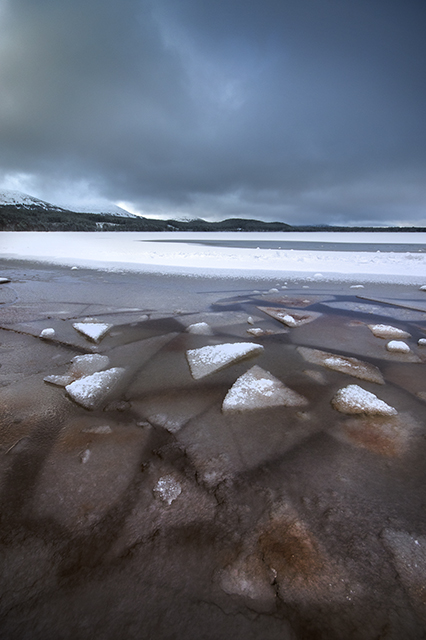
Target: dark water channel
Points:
(158, 514)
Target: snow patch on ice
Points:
(207, 360)
(167, 489)
(200, 328)
(343, 364)
(255, 331)
(290, 319)
(387, 331)
(398, 346)
(59, 381)
(87, 364)
(354, 399)
(258, 389)
(90, 391)
(47, 333)
(94, 331)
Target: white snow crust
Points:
(343, 364)
(387, 331)
(398, 346)
(94, 331)
(59, 381)
(167, 489)
(207, 360)
(47, 333)
(90, 391)
(200, 328)
(354, 399)
(259, 389)
(293, 319)
(87, 364)
(135, 251)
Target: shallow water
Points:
(281, 522)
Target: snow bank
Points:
(135, 251)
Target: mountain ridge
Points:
(22, 212)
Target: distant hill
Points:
(22, 212)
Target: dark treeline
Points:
(19, 218)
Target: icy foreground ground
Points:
(278, 496)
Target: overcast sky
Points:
(305, 111)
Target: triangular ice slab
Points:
(259, 389)
(94, 331)
(90, 391)
(343, 364)
(290, 317)
(354, 399)
(207, 360)
(87, 364)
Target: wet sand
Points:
(157, 514)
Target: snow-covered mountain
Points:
(100, 208)
(23, 201)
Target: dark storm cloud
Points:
(294, 109)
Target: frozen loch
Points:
(166, 474)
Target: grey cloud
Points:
(277, 109)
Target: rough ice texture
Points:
(354, 399)
(201, 328)
(258, 389)
(289, 317)
(422, 342)
(387, 331)
(167, 489)
(100, 429)
(88, 364)
(409, 557)
(249, 578)
(398, 346)
(90, 391)
(93, 331)
(207, 360)
(47, 333)
(59, 381)
(351, 366)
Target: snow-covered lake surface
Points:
(384, 256)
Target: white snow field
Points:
(163, 252)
